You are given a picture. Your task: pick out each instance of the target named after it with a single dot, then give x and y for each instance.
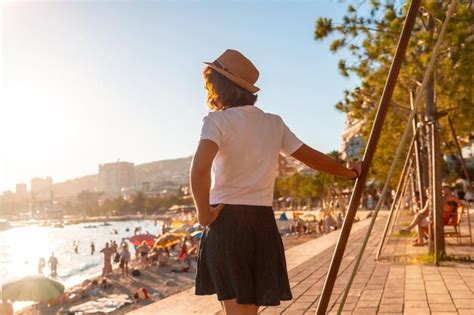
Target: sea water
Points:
(21, 248)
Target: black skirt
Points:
(242, 257)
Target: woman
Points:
(421, 221)
(241, 256)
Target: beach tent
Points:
(283, 217)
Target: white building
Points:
(352, 141)
(113, 177)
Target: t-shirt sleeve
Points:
(289, 142)
(210, 130)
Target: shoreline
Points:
(79, 220)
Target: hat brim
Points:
(240, 82)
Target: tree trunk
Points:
(437, 247)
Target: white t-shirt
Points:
(249, 141)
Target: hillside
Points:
(172, 170)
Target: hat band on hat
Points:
(220, 66)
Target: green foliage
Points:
(314, 187)
(371, 40)
(138, 203)
(88, 202)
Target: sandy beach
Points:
(160, 282)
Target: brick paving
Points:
(384, 287)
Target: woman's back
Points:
(249, 142)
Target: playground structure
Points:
(411, 168)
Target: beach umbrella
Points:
(182, 229)
(166, 240)
(140, 238)
(32, 288)
(197, 234)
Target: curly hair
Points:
(223, 93)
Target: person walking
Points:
(124, 259)
(53, 264)
(41, 265)
(232, 176)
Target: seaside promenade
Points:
(400, 283)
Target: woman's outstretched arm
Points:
(201, 181)
(323, 163)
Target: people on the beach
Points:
(450, 205)
(143, 250)
(92, 248)
(164, 257)
(300, 228)
(41, 265)
(239, 149)
(330, 223)
(6, 307)
(339, 220)
(124, 259)
(108, 252)
(76, 247)
(184, 251)
(141, 294)
(115, 252)
(153, 256)
(53, 264)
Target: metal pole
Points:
(418, 163)
(400, 201)
(397, 195)
(368, 156)
(464, 168)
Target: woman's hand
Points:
(215, 211)
(356, 166)
(212, 215)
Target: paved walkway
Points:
(380, 287)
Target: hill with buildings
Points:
(152, 175)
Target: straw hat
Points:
(237, 68)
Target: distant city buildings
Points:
(113, 177)
(41, 185)
(289, 165)
(285, 167)
(21, 189)
(44, 198)
(352, 140)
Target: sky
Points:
(89, 82)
